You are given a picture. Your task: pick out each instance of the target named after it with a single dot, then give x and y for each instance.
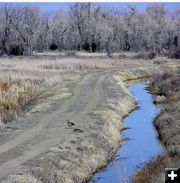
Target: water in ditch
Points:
(142, 143)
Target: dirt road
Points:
(49, 129)
(98, 103)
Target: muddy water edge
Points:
(141, 142)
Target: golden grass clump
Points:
(22, 80)
(153, 171)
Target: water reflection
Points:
(142, 144)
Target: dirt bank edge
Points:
(78, 159)
(166, 124)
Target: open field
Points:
(42, 94)
(23, 79)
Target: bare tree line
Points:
(90, 27)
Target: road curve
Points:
(51, 128)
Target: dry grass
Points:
(22, 79)
(77, 158)
(85, 54)
(166, 83)
(94, 148)
(21, 82)
(154, 170)
(151, 172)
(168, 125)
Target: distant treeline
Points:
(90, 27)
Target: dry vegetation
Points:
(21, 82)
(79, 157)
(23, 79)
(168, 123)
(167, 86)
(85, 38)
(153, 171)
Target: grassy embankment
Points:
(90, 152)
(86, 154)
(167, 86)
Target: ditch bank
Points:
(99, 123)
(141, 144)
(166, 86)
(95, 138)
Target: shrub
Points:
(151, 55)
(15, 49)
(93, 47)
(53, 47)
(165, 83)
(157, 80)
(175, 54)
(86, 46)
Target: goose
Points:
(70, 124)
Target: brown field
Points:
(23, 79)
(42, 93)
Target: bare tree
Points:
(60, 27)
(90, 27)
(25, 21)
(5, 26)
(43, 36)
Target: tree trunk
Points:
(108, 51)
